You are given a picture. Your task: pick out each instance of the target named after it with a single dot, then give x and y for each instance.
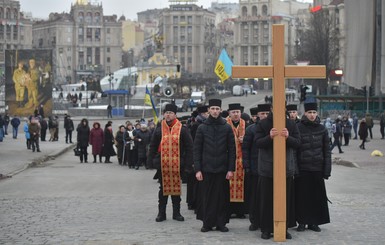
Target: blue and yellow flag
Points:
(223, 66)
(148, 101)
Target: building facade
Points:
(86, 44)
(15, 29)
(188, 34)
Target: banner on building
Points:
(28, 81)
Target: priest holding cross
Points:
(281, 133)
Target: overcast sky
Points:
(42, 8)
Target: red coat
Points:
(96, 140)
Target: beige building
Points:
(15, 29)
(188, 36)
(86, 44)
(253, 29)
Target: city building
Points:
(253, 31)
(15, 30)
(188, 38)
(86, 44)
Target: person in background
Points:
(382, 124)
(108, 143)
(121, 139)
(96, 140)
(337, 132)
(83, 136)
(1, 128)
(34, 131)
(347, 130)
(369, 124)
(43, 130)
(363, 132)
(27, 134)
(142, 141)
(355, 125)
(69, 127)
(130, 146)
(109, 111)
(6, 123)
(15, 122)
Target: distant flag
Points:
(148, 101)
(223, 66)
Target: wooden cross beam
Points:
(279, 72)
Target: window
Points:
(108, 49)
(89, 34)
(189, 20)
(89, 17)
(244, 11)
(97, 34)
(97, 56)
(108, 30)
(80, 17)
(254, 11)
(97, 18)
(175, 20)
(264, 10)
(89, 55)
(108, 59)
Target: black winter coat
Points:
(83, 135)
(314, 153)
(214, 147)
(185, 146)
(142, 145)
(249, 150)
(108, 144)
(265, 145)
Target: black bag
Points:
(77, 151)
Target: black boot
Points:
(94, 159)
(176, 212)
(100, 158)
(162, 214)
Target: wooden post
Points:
(279, 72)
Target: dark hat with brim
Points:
(202, 109)
(291, 107)
(234, 106)
(264, 107)
(171, 107)
(310, 106)
(254, 111)
(215, 102)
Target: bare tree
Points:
(319, 44)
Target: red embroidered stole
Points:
(170, 158)
(237, 182)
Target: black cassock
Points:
(214, 201)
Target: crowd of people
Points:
(224, 155)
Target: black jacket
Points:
(314, 153)
(265, 145)
(185, 146)
(83, 135)
(249, 150)
(214, 147)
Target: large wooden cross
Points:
(279, 72)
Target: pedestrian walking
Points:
(6, 123)
(214, 165)
(347, 130)
(265, 133)
(355, 125)
(15, 122)
(96, 140)
(170, 153)
(337, 132)
(363, 132)
(83, 134)
(369, 123)
(314, 164)
(109, 111)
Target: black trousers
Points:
(68, 136)
(162, 200)
(84, 153)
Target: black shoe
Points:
(341, 152)
(38, 151)
(137, 167)
(301, 227)
(253, 227)
(94, 161)
(288, 235)
(178, 217)
(86, 161)
(160, 217)
(205, 229)
(222, 229)
(314, 228)
(265, 235)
